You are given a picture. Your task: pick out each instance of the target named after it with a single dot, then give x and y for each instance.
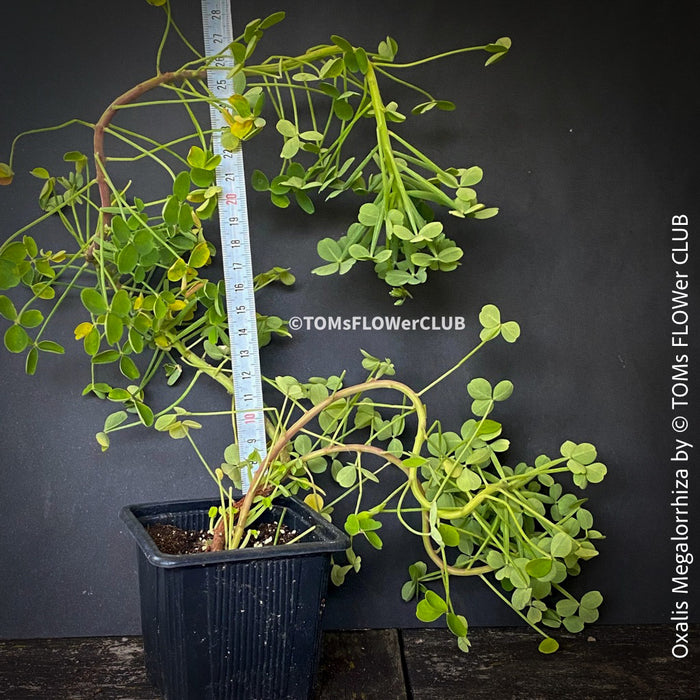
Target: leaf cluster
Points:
(514, 526)
(319, 99)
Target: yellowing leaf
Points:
(177, 270)
(313, 500)
(240, 104)
(200, 255)
(177, 305)
(240, 126)
(6, 174)
(82, 330)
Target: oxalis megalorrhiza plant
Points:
(140, 268)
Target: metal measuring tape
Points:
(235, 245)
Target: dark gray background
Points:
(587, 135)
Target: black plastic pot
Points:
(243, 624)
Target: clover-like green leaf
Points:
(596, 472)
(329, 249)
(7, 308)
(422, 259)
(490, 316)
(480, 389)
(121, 303)
(431, 607)
(114, 328)
(115, 419)
(428, 232)
(592, 600)
(16, 339)
(573, 624)
(346, 476)
(128, 367)
(145, 413)
(181, 186)
(567, 607)
(102, 440)
(485, 213)
(197, 158)
(93, 301)
(548, 645)
(31, 361)
(537, 568)
(495, 559)
(521, 598)
(105, 357)
(468, 480)
(498, 50)
(502, 390)
(31, 318)
(588, 615)
(510, 331)
(449, 534)
(585, 453)
(369, 214)
(338, 573)
(562, 544)
(457, 624)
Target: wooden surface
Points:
(616, 663)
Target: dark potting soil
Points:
(174, 540)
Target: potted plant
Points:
(142, 270)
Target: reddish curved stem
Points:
(104, 121)
(280, 443)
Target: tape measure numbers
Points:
(235, 246)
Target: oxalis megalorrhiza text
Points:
(682, 449)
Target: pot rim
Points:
(329, 538)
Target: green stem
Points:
(144, 152)
(440, 561)
(485, 492)
(164, 37)
(510, 605)
(45, 129)
(519, 527)
(386, 152)
(43, 217)
(55, 307)
(303, 534)
(200, 364)
(275, 65)
(201, 456)
(405, 83)
(184, 39)
(564, 592)
(429, 59)
(454, 368)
